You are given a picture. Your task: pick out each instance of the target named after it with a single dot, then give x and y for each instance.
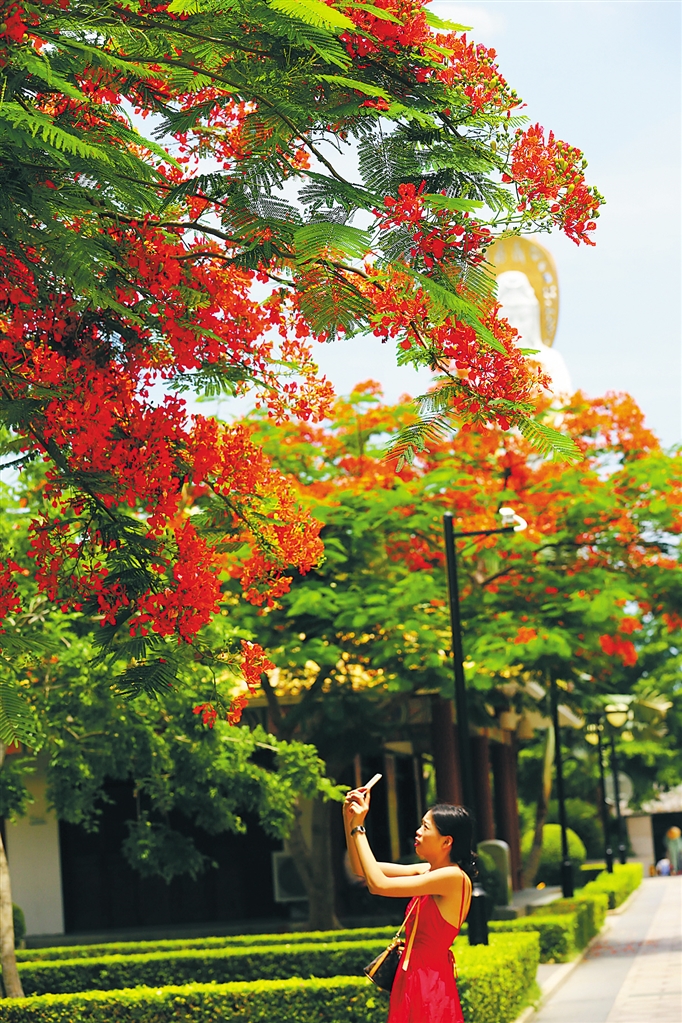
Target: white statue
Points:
(521, 308)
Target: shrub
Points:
(201, 966)
(583, 818)
(626, 877)
(19, 925)
(589, 871)
(493, 981)
(590, 913)
(549, 870)
(336, 1000)
(226, 941)
(557, 934)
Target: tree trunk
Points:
(10, 974)
(531, 865)
(314, 865)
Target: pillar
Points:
(35, 863)
(448, 781)
(506, 805)
(480, 755)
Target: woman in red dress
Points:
(424, 990)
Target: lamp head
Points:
(616, 714)
(511, 520)
(592, 734)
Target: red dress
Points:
(427, 992)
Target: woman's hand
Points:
(356, 807)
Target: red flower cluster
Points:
(12, 27)
(9, 596)
(550, 173)
(406, 27)
(439, 235)
(209, 715)
(485, 378)
(614, 646)
(471, 67)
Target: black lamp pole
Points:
(566, 865)
(478, 924)
(622, 851)
(606, 823)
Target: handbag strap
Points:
(408, 950)
(406, 918)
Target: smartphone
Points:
(372, 782)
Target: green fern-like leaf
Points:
(154, 679)
(548, 441)
(17, 721)
(315, 13)
(312, 240)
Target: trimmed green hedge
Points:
(200, 966)
(336, 1000)
(493, 981)
(589, 910)
(558, 934)
(227, 941)
(626, 877)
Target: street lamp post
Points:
(566, 865)
(616, 715)
(593, 736)
(511, 523)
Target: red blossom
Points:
(614, 646)
(549, 175)
(208, 713)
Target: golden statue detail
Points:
(528, 292)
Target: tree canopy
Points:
(586, 595)
(192, 194)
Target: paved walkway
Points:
(633, 972)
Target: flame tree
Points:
(160, 160)
(588, 595)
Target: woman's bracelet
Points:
(360, 829)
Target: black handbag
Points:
(382, 970)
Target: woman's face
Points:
(429, 843)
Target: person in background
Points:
(439, 889)
(673, 845)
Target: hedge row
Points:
(558, 934)
(227, 941)
(626, 877)
(494, 979)
(337, 1000)
(589, 910)
(204, 966)
(493, 982)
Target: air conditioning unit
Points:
(286, 879)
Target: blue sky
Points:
(604, 76)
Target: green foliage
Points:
(558, 934)
(626, 877)
(590, 912)
(205, 966)
(336, 1000)
(493, 981)
(229, 941)
(583, 818)
(549, 870)
(19, 922)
